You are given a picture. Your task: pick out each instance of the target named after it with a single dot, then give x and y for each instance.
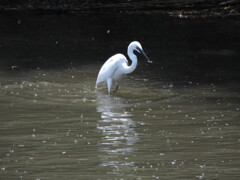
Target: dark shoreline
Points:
(174, 8)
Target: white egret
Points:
(117, 66)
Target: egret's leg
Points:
(116, 89)
(109, 85)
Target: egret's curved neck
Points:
(133, 58)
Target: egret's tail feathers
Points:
(98, 85)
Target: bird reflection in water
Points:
(118, 134)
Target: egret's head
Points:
(136, 46)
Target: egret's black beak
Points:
(143, 53)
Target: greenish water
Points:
(177, 118)
(54, 125)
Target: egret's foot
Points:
(115, 89)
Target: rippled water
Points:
(177, 118)
(54, 125)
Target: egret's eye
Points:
(138, 49)
(135, 51)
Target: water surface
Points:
(173, 119)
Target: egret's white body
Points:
(117, 66)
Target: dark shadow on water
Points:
(199, 50)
